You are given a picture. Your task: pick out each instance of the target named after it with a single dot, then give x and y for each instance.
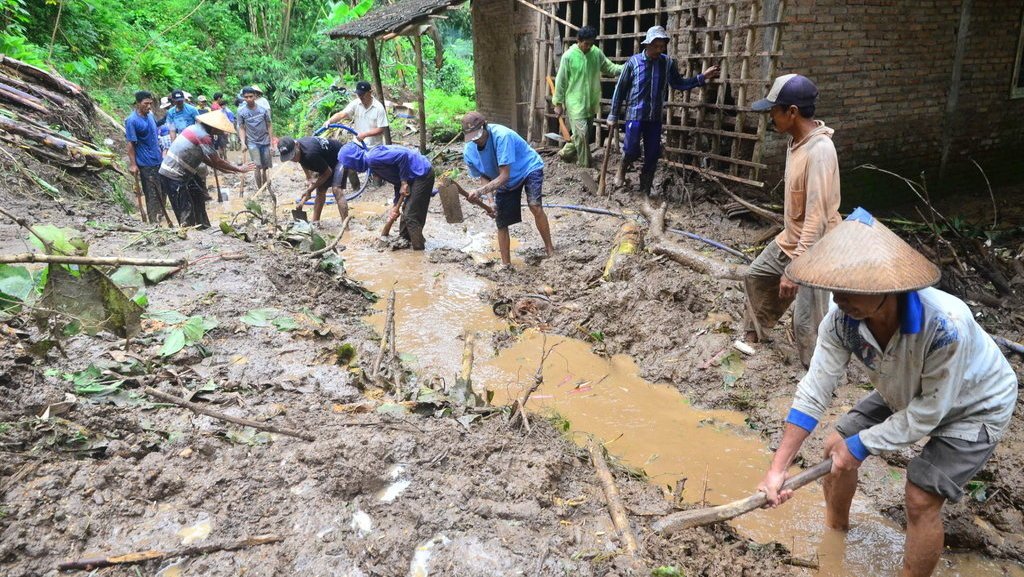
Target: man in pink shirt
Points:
(811, 210)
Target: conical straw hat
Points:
(216, 119)
(862, 256)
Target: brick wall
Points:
(884, 70)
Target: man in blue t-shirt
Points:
(181, 115)
(144, 154)
(507, 164)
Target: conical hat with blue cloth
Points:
(862, 256)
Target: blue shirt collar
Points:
(911, 314)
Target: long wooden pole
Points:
(378, 86)
(95, 260)
(144, 556)
(568, 24)
(417, 46)
(611, 494)
(531, 110)
(698, 517)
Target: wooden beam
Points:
(954, 83)
(417, 46)
(549, 15)
(378, 87)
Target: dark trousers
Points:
(649, 132)
(188, 198)
(414, 217)
(152, 188)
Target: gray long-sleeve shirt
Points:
(941, 374)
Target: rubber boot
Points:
(647, 180)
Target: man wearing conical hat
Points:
(811, 208)
(935, 372)
(183, 181)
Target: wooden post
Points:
(531, 111)
(953, 98)
(378, 87)
(417, 45)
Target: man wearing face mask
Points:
(811, 209)
(578, 92)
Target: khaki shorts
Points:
(945, 464)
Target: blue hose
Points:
(691, 235)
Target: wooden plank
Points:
(665, 10)
(741, 94)
(378, 86)
(762, 121)
(711, 131)
(726, 159)
(724, 175)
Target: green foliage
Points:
(65, 241)
(16, 286)
(279, 319)
(667, 571)
(341, 12)
(444, 112)
(181, 331)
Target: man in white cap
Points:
(936, 375)
(643, 87)
(369, 119)
(180, 170)
(811, 208)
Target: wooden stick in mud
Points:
(602, 182)
(699, 517)
(334, 243)
(94, 260)
(389, 320)
(168, 398)
(611, 495)
(699, 262)
(519, 407)
(142, 557)
(767, 215)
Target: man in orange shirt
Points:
(811, 210)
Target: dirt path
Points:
(120, 475)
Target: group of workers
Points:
(936, 374)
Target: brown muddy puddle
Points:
(647, 426)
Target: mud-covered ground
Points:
(95, 477)
(84, 476)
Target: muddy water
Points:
(648, 426)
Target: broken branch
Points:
(611, 495)
(155, 393)
(699, 517)
(142, 557)
(334, 243)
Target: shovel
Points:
(299, 214)
(698, 517)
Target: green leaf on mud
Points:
(173, 342)
(254, 207)
(166, 317)
(155, 274)
(392, 409)
(667, 571)
(732, 368)
(193, 329)
(141, 299)
(260, 317)
(65, 241)
(331, 263)
(285, 323)
(128, 276)
(91, 381)
(16, 285)
(90, 298)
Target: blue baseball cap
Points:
(353, 156)
(788, 90)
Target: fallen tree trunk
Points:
(699, 262)
(158, 394)
(11, 94)
(628, 241)
(698, 517)
(142, 557)
(611, 495)
(34, 89)
(93, 260)
(43, 76)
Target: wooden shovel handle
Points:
(698, 517)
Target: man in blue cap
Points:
(643, 86)
(811, 209)
(181, 114)
(411, 174)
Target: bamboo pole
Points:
(144, 556)
(568, 24)
(611, 495)
(93, 260)
(531, 111)
(417, 45)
